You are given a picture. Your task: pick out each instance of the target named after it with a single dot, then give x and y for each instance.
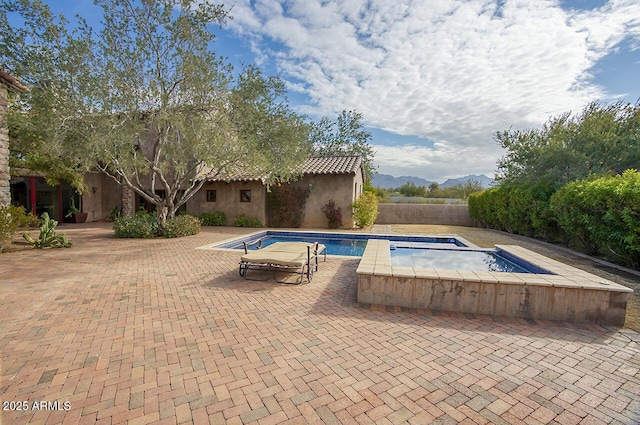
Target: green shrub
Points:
(142, 225)
(574, 214)
(245, 221)
(48, 237)
(11, 219)
(521, 209)
(217, 218)
(365, 210)
(604, 214)
(182, 225)
(333, 214)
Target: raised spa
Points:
(489, 260)
(555, 291)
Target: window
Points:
(211, 196)
(245, 195)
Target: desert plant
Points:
(246, 221)
(217, 218)
(182, 225)
(365, 210)
(11, 219)
(48, 236)
(333, 214)
(72, 209)
(114, 214)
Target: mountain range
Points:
(387, 181)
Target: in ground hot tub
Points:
(546, 289)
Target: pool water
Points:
(448, 259)
(352, 245)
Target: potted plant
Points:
(74, 214)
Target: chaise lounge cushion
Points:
(280, 258)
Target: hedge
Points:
(601, 213)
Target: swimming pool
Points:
(460, 259)
(348, 244)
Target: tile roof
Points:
(332, 165)
(313, 165)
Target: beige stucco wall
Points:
(344, 189)
(108, 194)
(228, 200)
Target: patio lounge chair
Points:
(290, 257)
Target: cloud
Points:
(451, 71)
(441, 162)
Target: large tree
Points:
(344, 136)
(147, 101)
(52, 61)
(600, 139)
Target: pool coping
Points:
(378, 236)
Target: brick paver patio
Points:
(155, 331)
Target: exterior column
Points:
(5, 192)
(128, 202)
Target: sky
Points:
(435, 80)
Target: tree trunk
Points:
(163, 214)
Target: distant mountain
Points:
(387, 181)
(482, 179)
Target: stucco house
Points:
(337, 178)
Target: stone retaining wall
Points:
(5, 193)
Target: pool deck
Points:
(157, 331)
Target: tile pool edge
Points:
(569, 294)
(224, 244)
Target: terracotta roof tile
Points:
(313, 165)
(332, 165)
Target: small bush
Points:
(217, 218)
(245, 221)
(11, 219)
(333, 214)
(182, 225)
(143, 225)
(365, 210)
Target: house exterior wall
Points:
(228, 200)
(5, 193)
(108, 194)
(344, 189)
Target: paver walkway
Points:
(155, 331)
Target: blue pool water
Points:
(340, 243)
(471, 260)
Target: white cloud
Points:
(443, 161)
(450, 71)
